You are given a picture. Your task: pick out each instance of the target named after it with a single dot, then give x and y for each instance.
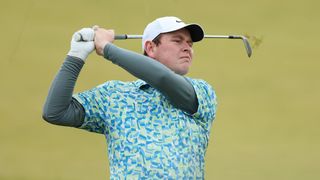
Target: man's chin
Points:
(182, 71)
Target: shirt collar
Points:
(141, 84)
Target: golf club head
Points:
(245, 42)
(247, 45)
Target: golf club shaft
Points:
(244, 39)
(128, 36)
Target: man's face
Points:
(175, 51)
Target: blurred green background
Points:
(267, 126)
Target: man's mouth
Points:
(185, 57)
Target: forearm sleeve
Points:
(60, 108)
(174, 86)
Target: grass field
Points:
(267, 126)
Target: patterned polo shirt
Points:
(147, 137)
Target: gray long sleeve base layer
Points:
(61, 109)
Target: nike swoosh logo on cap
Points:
(178, 21)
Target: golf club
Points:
(243, 38)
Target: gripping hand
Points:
(82, 43)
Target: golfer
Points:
(156, 127)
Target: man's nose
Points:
(187, 47)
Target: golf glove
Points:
(82, 43)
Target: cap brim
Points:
(196, 32)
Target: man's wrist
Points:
(74, 58)
(105, 50)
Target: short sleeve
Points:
(207, 102)
(95, 104)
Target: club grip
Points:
(120, 36)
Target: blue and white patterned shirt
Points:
(148, 138)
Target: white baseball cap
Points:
(169, 24)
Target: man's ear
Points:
(149, 48)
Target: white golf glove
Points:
(82, 43)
